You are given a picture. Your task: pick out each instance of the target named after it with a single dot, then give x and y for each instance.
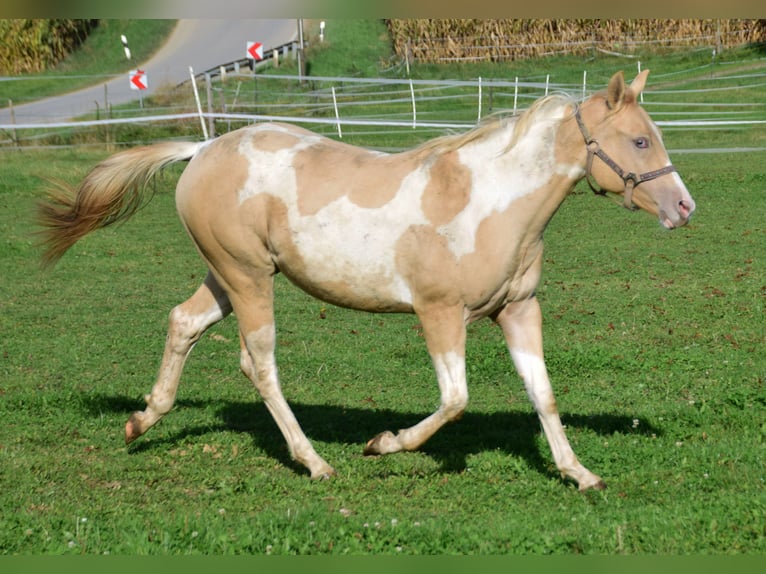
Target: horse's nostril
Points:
(685, 208)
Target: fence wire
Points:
(374, 111)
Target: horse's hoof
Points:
(379, 444)
(132, 429)
(325, 474)
(599, 485)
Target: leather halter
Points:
(630, 179)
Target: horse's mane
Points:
(519, 122)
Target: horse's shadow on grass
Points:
(513, 432)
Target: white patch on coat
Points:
(501, 177)
(341, 242)
(268, 169)
(357, 245)
(531, 369)
(345, 242)
(450, 372)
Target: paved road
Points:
(201, 44)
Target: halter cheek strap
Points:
(631, 180)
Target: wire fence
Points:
(375, 111)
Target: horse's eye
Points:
(641, 143)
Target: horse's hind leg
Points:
(255, 314)
(188, 321)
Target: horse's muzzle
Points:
(683, 213)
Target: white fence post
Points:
(478, 119)
(337, 115)
(199, 105)
(414, 111)
(515, 93)
(209, 95)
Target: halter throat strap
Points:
(630, 179)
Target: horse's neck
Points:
(534, 174)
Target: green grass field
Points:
(654, 342)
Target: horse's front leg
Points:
(444, 332)
(522, 326)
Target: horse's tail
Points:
(111, 192)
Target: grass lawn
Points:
(654, 342)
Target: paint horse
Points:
(451, 230)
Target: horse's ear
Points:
(615, 91)
(637, 85)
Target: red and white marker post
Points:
(139, 81)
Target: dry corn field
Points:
(498, 40)
(28, 46)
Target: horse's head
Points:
(626, 154)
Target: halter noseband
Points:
(631, 180)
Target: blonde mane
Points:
(518, 122)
